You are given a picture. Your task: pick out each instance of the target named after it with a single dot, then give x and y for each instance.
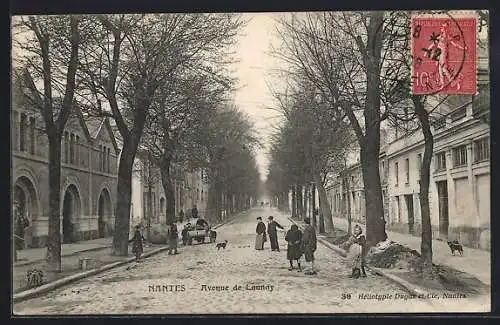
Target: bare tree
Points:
(130, 58)
(48, 79)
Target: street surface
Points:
(201, 279)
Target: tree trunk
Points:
(294, 202)
(426, 243)
(321, 218)
(53, 256)
(300, 201)
(124, 197)
(168, 188)
(325, 210)
(150, 209)
(349, 216)
(313, 204)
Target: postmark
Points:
(444, 54)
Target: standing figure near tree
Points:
(294, 251)
(260, 238)
(273, 233)
(20, 223)
(173, 236)
(356, 254)
(136, 241)
(309, 244)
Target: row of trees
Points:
(359, 66)
(164, 81)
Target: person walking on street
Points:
(294, 251)
(356, 253)
(172, 236)
(194, 212)
(309, 243)
(136, 241)
(273, 233)
(184, 233)
(261, 234)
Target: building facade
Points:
(460, 179)
(190, 189)
(88, 175)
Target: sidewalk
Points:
(33, 255)
(474, 261)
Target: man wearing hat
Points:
(273, 233)
(309, 242)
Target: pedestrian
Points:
(181, 215)
(184, 233)
(173, 236)
(20, 224)
(294, 251)
(309, 243)
(194, 212)
(273, 233)
(356, 255)
(137, 243)
(260, 238)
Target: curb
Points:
(66, 255)
(31, 293)
(411, 288)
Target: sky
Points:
(254, 69)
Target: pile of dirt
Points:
(391, 255)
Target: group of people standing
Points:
(299, 243)
(304, 243)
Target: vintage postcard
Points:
(251, 163)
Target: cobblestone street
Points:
(185, 279)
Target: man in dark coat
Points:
(194, 212)
(273, 233)
(294, 251)
(309, 242)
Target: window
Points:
(72, 149)
(458, 114)
(100, 158)
(398, 210)
(396, 173)
(77, 150)
(202, 195)
(407, 170)
(439, 123)
(32, 135)
(22, 144)
(441, 161)
(460, 156)
(66, 147)
(482, 149)
(103, 167)
(419, 165)
(107, 160)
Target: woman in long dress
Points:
(260, 238)
(137, 243)
(356, 254)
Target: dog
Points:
(456, 246)
(221, 245)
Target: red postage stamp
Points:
(444, 54)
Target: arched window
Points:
(77, 150)
(66, 147)
(22, 128)
(72, 149)
(32, 135)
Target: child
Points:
(137, 243)
(172, 239)
(294, 252)
(357, 252)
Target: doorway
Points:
(104, 214)
(411, 215)
(71, 210)
(442, 189)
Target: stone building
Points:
(190, 189)
(460, 177)
(88, 174)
